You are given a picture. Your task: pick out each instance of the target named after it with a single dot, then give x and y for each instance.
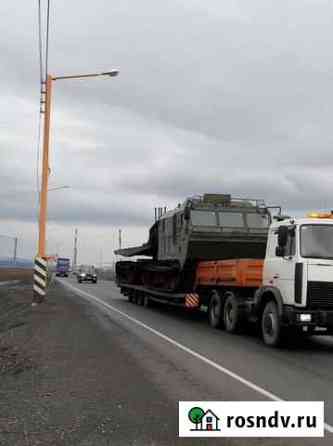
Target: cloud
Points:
(212, 97)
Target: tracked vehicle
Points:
(208, 227)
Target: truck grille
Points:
(320, 295)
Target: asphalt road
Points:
(191, 361)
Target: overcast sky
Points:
(213, 96)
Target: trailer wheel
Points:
(140, 299)
(215, 311)
(271, 325)
(231, 314)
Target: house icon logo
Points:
(203, 421)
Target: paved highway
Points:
(192, 361)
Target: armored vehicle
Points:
(207, 227)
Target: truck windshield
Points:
(203, 218)
(317, 241)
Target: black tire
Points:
(215, 311)
(140, 299)
(79, 281)
(271, 325)
(232, 316)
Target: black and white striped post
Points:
(40, 280)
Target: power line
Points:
(47, 38)
(41, 80)
(40, 42)
(43, 71)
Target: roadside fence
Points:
(12, 253)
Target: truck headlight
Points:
(305, 317)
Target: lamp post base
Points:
(40, 280)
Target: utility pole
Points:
(119, 238)
(75, 249)
(45, 169)
(101, 258)
(40, 274)
(15, 250)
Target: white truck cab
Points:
(298, 271)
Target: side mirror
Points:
(279, 251)
(282, 236)
(187, 213)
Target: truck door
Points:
(279, 271)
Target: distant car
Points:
(87, 277)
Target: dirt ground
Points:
(64, 382)
(15, 274)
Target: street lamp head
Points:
(58, 188)
(111, 73)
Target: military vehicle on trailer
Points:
(208, 227)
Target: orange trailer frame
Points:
(236, 273)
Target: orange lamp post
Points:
(40, 273)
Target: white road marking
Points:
(213, 364)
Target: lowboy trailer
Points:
(287, 292)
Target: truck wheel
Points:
(136, 297)
(215, 311)
(271, 325)
(231, 313)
